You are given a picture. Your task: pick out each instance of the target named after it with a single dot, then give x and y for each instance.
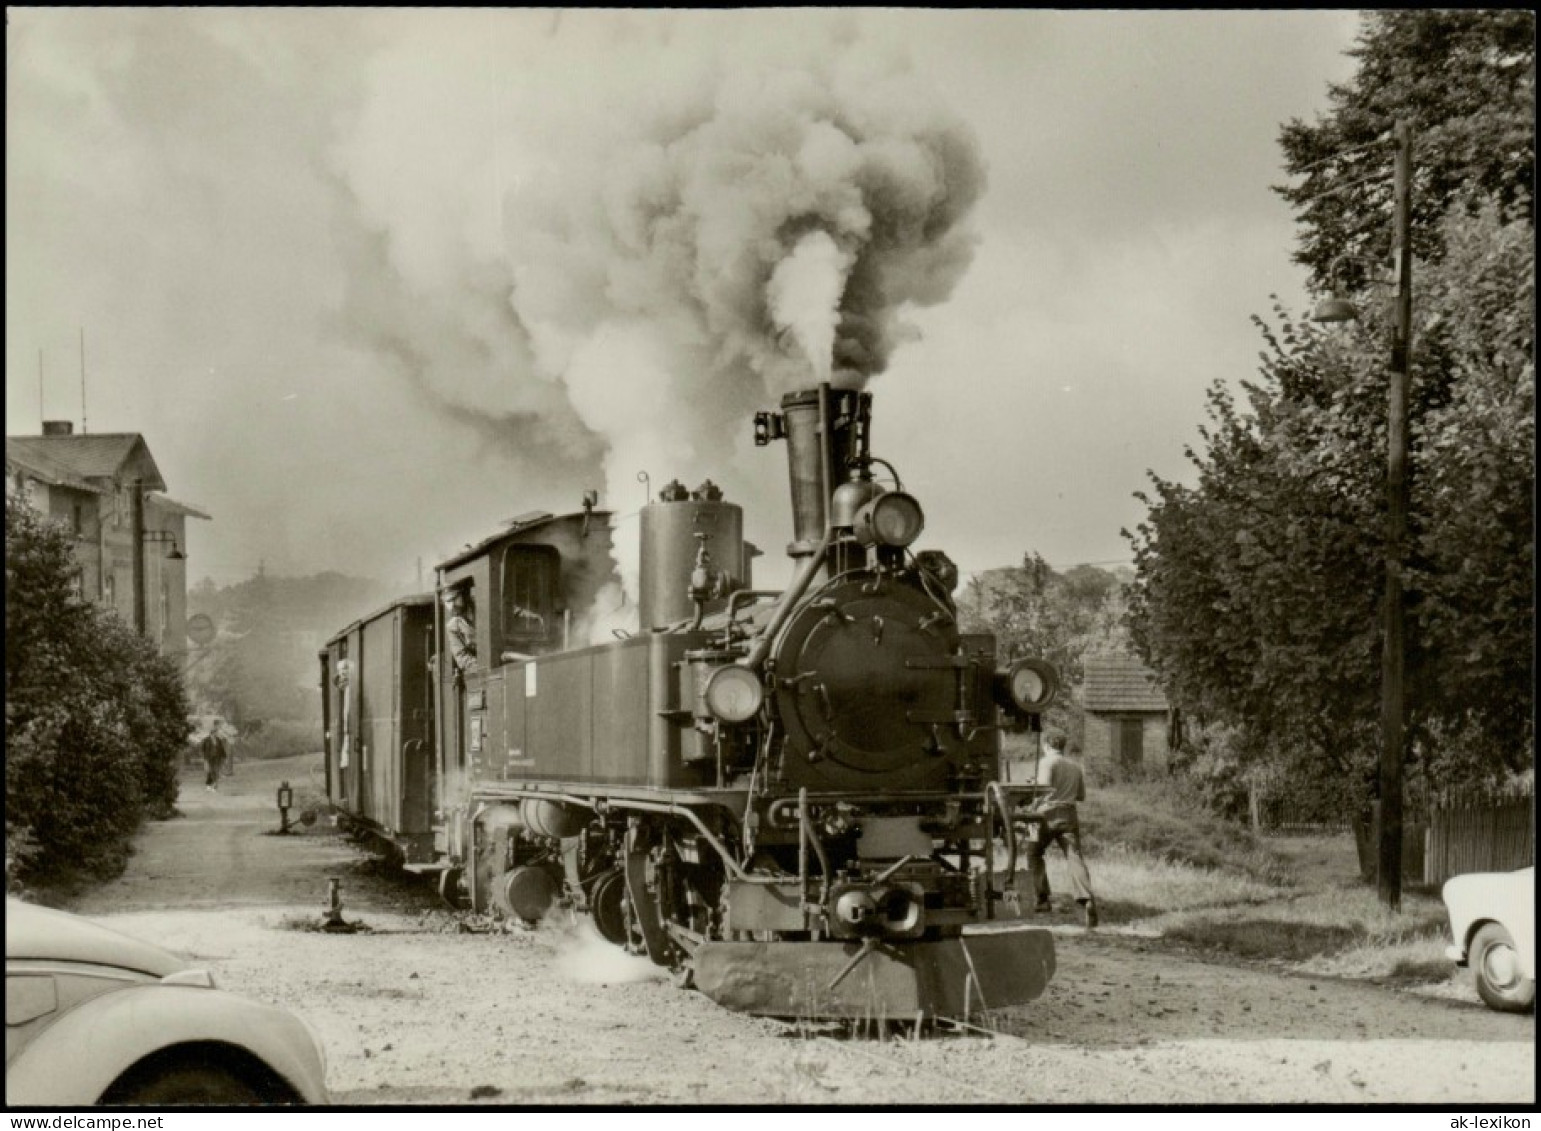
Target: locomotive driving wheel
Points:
(451, 889)
(609, 908)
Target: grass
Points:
(1160, 867)
(1157, 820)
(279, 738)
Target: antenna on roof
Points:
(41, 415)
(82, 380)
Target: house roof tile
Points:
(103, 455)
(1115, 682)
(42, 466)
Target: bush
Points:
(95, 719)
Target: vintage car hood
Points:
(38, 932)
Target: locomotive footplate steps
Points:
(945, 978)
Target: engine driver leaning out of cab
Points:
(460, 630)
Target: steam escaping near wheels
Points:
(585, 958)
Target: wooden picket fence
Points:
(1485, 838)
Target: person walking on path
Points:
(1061, 824)
(214, 754)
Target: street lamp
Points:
(174, 554)
(141, 538)
(1394, 654)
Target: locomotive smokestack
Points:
(826, 433)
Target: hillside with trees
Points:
(260, 672)
(1258, 588)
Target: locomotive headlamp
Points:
(1028, 685)
(894, 519)
(733, 694)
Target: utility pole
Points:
(1393, 666)
(138, 535)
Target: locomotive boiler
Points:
(789, 797)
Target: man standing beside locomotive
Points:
(1061, 823)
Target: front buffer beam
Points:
(952, 978)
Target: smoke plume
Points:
(716, 215)
(804, 293)
(396, 274)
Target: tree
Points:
(95, 719)
(1258, 588)
(1474, 550)
(1465, 81)
(1060, 617)
(262, 664)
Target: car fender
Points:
(77, 1058)
(1506, 898)
(1522, 930)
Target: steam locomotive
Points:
(788, 797)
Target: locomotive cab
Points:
(528, 601)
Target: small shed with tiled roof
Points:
(1126, 713)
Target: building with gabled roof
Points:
(87, 482)
(107, 456)
(1126, 713)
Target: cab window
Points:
(529, 595)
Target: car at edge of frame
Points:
(94, 1016)
(1493, 923)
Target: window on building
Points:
(1128, 742)
(78, 518)
(109, 591)
(529, 595)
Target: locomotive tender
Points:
(790, 798)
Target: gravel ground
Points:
(416, 1009)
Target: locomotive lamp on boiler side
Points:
(789, 797)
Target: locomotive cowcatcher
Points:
(789, 797)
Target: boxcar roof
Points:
(410, 599)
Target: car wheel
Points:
(200, 1085)
(1500, 982)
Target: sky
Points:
(370, 282)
